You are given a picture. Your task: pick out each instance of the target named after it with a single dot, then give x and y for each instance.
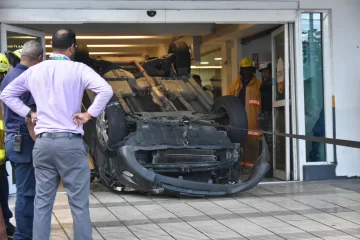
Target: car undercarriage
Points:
(162, 133)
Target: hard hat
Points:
(4, 63)
(264, 65)
(246, 62)
(17, 53)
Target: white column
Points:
(226, 73)
(235, 57)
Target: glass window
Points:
(311, 24)
(209, 69)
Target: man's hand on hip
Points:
(33, 118)
(81, 118)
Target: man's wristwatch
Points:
(29, 114)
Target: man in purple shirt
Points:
(57, 86)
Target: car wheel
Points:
(111, 127)
(233, 116)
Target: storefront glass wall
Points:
(312, 33)
(209, 69)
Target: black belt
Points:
(59, 135)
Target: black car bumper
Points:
(141, 178)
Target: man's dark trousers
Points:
(4, 194)
(25, 186)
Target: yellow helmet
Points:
(4, 63)
(17, 53)
(246, 62)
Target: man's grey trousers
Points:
(62, 158)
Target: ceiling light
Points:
(21, 37)
(206, 67)
(115, 37)
(115, 45)
(217, 59)
(106, 53)
(204, 63)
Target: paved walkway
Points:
(318, 210)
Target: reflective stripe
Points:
(246, 164)
(255, 133)
(256, 102)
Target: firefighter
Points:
(6, 214)
(247, 88)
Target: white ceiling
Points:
(149, 39)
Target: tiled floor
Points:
(319, 210)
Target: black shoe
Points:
(10, 230)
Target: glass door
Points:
(13, 38)
(281, 102)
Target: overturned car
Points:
(161, 133)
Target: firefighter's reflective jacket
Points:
(252, 107)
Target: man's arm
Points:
(97, 84)
(12, 92)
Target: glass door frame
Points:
(4, 29)
(286, 102)
(9, 28)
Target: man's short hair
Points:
(63, 39)
(32, 49)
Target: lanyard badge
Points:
(58, 58)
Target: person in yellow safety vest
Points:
(247, 88)
(6, 213)
(13, 58)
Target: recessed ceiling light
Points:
(115, 37)
(107, 53)
(217, 59)
(206, 67)
(204, 63)
(115, 45)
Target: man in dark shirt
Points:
(22, 160)
(265, 116)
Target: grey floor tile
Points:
(96, 235)
(332, 234)
(310, 226)
(167, 220)
(265, 237)
(209, 208)
(127, 213)
(182, 209)
(58, 235)
(352, 231)
(335, 209)
(101, 215)
(197, 218)
(245, 228)
(155, 211)
(108, 197)
(340, 237)
(182, 231)
(147, 230)
(332, 221)
(350, 216)
(293, 217)
(225, 216)
(107, 224)
(298, 236)
(110, 233)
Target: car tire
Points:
(111, 127)
(183, 58)
(235, 117)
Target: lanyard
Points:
(58, 58)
